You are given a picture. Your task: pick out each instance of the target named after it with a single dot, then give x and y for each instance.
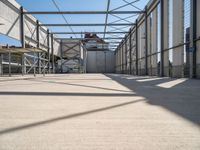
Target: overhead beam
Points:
(89, 32)
(106, 20)
(89, 24)
(82, 12)
(107, 38)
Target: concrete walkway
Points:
(99, 112)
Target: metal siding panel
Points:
(100, 57)
(91, 62)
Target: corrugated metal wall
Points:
(100, 62)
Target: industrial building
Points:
(128, 80)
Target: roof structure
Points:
(114, 21)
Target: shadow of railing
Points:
(182, 99)
(18, 93)
(56, 119)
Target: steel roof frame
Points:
(117, 28)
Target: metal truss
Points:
(114, 29)
(82, 12)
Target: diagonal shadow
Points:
(53, 120)
(88, 86)
(182, 99)
(16, 79)
(18, 93)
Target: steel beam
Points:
(106, 20)
(126, 52)
(130, 52)
(89, 32)
(88, 24)
(1, 64)
(38, 45)
(128, 3)
(162, 38)
(34, 67)
(193, 37)
(136, 47)
(82, 12)
(114, 38)
(9, 60)
(48, 51)
(61, 54)
(22, 28)
(52, 53)
(122, 58)
(22, 36)
(146, 42)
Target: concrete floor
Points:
(99, 112)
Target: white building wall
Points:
(178, 38)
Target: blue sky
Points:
(75, 5)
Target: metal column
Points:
(130, 52)
(23, 65)
(38, 45)
(1, 64)
(9, 65)
(122, 46)
(52, 53)
(48, 51)
(34, 63)
(136, 46)
(126, 58)
(61, 49)
(193, 36)
(162, 38)
(146, 42)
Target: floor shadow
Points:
(53, 120)
(76, 79)
(79, 85)
(18, 93)
(182, 99)
(15, 79)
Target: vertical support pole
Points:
(119, 58)
(116, 61)
(52, 53)
(122, 57)
(34, 63)
(48, 50)
(130, 52)
(105, 61)
(136, 46)
(38, 45)
(61, 49)
(193, 36)
(126, 58)
(9, 61)
(22, 36)
(43, 64)
(9, 66)
(1, 64)
(146, 42)
(162, 37)
(80, 62)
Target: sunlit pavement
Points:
(99, 112)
